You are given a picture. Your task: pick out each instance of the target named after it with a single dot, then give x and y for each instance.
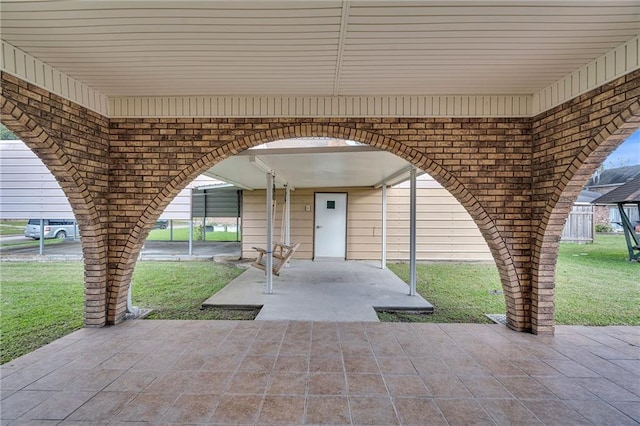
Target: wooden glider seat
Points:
(281, 255)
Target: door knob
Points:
(318, 226)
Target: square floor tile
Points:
(147, 407)
(509, 412)
(292, 363)
(282, 410)
(372, 411)
(402, 385)
(248, 383)
(192, 409)
(288, 384)
(419, 411)
(327, 384)
(366, 384)
(463, 412)
(327, 410)
(237, 409)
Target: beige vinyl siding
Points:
(445, 231)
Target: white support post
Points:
(269, 248)
(191, 236)
(383, 253)
(41, 244)
(287, 219)
(412, 235)
(191, 224)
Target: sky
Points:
(627, 154)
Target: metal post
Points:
(287, 219)
(41, 237)
(170, 229)
(383, 254)
(238, 214)
(191, 225)
(412, 235)
(269, 248)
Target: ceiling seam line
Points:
(343, 32)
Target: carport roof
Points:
(312, 163)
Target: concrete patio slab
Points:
(321, 291)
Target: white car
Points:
(53, 228)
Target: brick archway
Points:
(547, 237)
(94, 236)
(515, 302)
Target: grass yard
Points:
(595, 285)
(175, 290)
(12, 227)
(41, 302)
(182, 234)
(30, 243)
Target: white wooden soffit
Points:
(20, 64)
(615, 63)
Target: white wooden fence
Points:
(579, 225)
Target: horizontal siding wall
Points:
(28, 190)
(446, 232)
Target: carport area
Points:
(321, 291)
(510, 106)
(285, 372)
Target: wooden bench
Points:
(281, 255)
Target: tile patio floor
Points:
(275, 372)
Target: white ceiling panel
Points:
(317, 48)
(309, 168)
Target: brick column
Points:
(73, 143)
(570, 143)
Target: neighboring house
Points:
(604, 182)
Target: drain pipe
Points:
(133, 310)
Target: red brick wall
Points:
(73, 143)
(570, 143)
(483, 162)
(516, 177)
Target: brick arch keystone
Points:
(569, 186)
(499, 249)
(48, 150)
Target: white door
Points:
(330, 225)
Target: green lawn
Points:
(12, 227)
(182, 234)
(595, 285)
(40, 302)
(30, 243)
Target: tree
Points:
(6, 134)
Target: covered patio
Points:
(510, 106)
